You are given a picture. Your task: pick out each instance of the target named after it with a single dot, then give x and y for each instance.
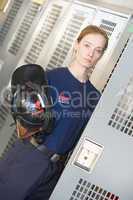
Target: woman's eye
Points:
(99, 51)
(87, 45)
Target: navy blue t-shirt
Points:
(73, 104)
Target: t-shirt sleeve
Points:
(64, 135)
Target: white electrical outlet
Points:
(88, 154)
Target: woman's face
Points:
(89, 50)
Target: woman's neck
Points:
(79, 72)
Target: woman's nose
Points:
(91, 52)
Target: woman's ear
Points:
(75, 48)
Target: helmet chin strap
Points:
(23, 133)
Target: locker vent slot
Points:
(87, 191)
(10, 143)
(24, 28)
(40, 40)
(66, 41)
(9, 19)
(108, 26)
(4, 111)
(122, 117)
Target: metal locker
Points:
(18, 37)
(10, 16)
(101, 165)
(40, 43)
(25, 25)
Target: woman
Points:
(75, 97)
(74, 100)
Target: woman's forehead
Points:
(96, 39)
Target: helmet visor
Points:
(30, 108)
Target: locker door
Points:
(76, 17)
(25, 25)
(18, 37)
(14, 8)
(48, 22)
(101, 166)
(114, 24)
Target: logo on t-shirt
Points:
(63, 98)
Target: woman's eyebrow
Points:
(86, 41)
